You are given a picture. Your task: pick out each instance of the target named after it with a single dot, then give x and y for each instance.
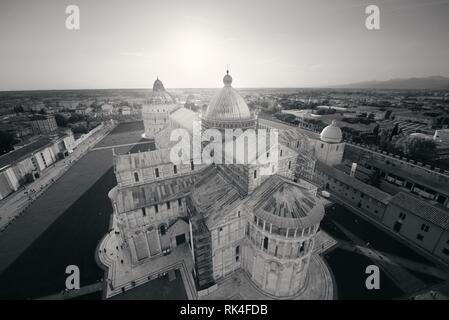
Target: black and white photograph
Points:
(224, 158)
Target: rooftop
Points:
(24, 152)
(371, 191)
(422, 209)
(286, 204)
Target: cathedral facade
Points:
(230, 216)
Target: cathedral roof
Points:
(227, 104)
(286, 204)
(214, 196)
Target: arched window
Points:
(136, 177)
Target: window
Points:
(175, 169)
(168, 204)
(336, 149)
(281, 153)
(162, 229)
(289, 165)
(192, 166)
(136, 177)
(237, 250)
(322, 145)
(265, 243)
(144, 212)
(156, 208)
(425, 227)
(267, 226)
(179, 202)
(402, 215)
(420, 237)
(255, 174)
(156, 171)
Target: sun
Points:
(193, 50)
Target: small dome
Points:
(228, 104)
(158, 85)
(331, 133)
(159, 95)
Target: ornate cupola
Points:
(228, 110)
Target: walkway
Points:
(65, 295)
(122, 145)
(121, 276)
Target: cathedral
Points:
(214, 219)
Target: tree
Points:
(376, 130)
(375, 178)
(6, 142)
(395, 131)
(419, 148)
(61, 121)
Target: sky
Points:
(190, 43)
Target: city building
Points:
(25, 164)
(43, 124)
(420, 223)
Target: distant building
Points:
(414, 177)
(107, 108)
(441, 136)
(156, 109)
(420, 223)
(25, 164)
(43, 124)
(352, 190)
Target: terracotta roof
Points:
(422, 209)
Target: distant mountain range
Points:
(429, 83)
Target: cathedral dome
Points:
(159, 95)
(227, 104)
(331, 133)
(158, 85)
